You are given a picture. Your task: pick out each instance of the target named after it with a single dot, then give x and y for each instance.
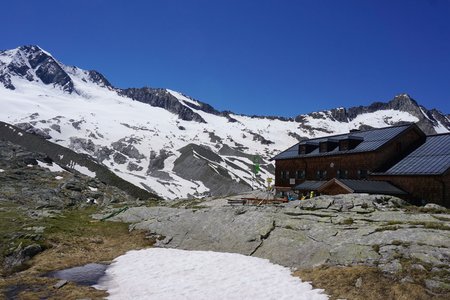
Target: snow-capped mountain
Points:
(162, 140)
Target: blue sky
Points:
(254, 57)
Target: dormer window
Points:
(302, 149)
(343, 145)
(307, 147)
(327, 146)
(349, 143)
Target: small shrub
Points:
(389, 223)
(348, 221)
(385, 228)
(376, 248)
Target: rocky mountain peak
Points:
(404, 102)
(99, 79)
(392, 112)
(30, 49)
(33, 64)
(203, 151)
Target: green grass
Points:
(71, 238)
(385, 228)
(13, 224)
(431, 225)
(348, 221)
(400, 243)
(78, 222)
(75, 223)
(189, 203)
(418, 209)
(441, 218)
(390, 223)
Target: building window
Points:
(343, 145)
(284, 175)
(301, 174)
(362, 174)
(302, 149)
(321, 175)
(342, 174)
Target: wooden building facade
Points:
(365, 156)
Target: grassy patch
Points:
(431, 225)
(400, 243)
(15, 230)
(75, 238)
(376, 248)
(385, 228)
(339, 283)
(189, 203)
(420, 209)
(72, 239)
(441, 218)
(348, 221)
(390, 223)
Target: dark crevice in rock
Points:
(264, 237)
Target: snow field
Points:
(159, 273)
(98, 114)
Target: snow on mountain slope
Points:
(159, 139)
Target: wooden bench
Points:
(237, 201)
(258, 201)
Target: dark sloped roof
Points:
(372, 140)
(431, 158)
(372, 187)
(309, 185)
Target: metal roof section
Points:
(370, 140)
(309, 185)
(365, 186)
(431, 158)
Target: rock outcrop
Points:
(70, 159)
(341, 230)
(33, 187)
(162, 98)
(32, 63)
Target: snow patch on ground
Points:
(52, 167)
(84, 170)
(179, 274)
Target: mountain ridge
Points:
(164, 141)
